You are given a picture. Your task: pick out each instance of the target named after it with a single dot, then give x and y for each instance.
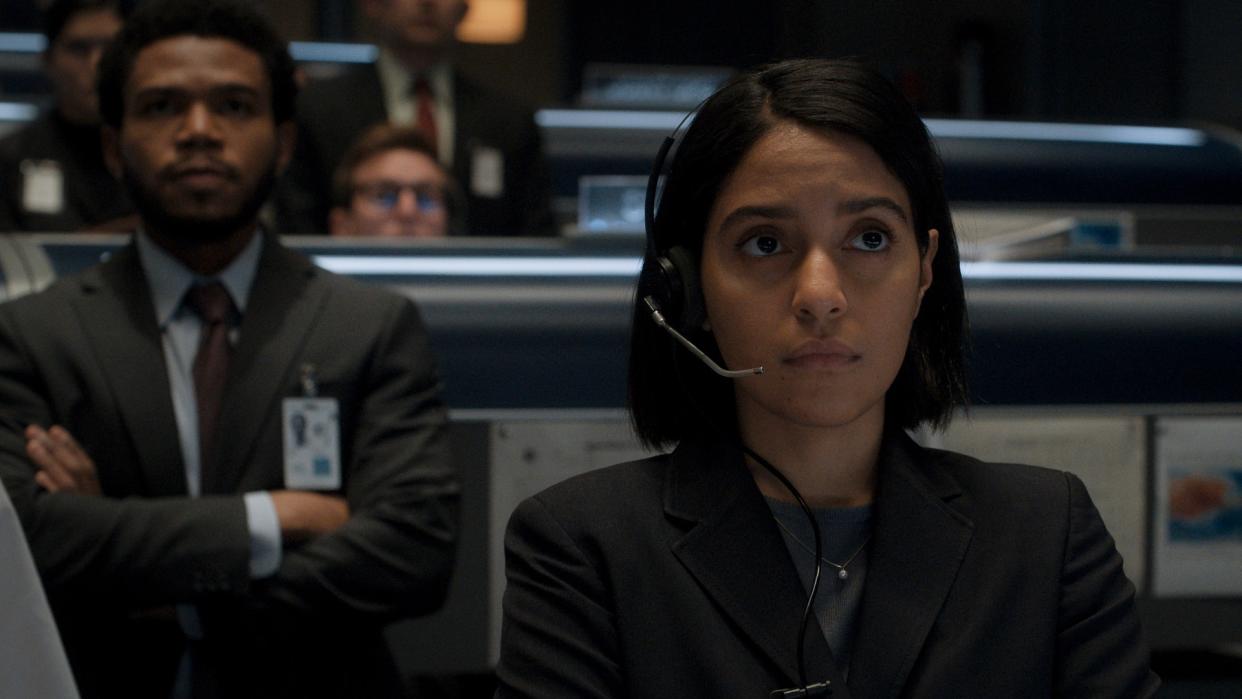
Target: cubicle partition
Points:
(986, 161)
(1122, 368)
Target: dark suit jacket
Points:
(333, 113)
(667, 578)
(86, 353)
(91, 194)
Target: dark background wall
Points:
(1124, 60)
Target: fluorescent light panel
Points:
(628, 267)
(1082, 133)
(22, 42)
(939, 128)
(607, 119)
(17, 111)
(482, 266)
(317, 51)
(1086, 271)
(326, 52)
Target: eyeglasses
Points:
(385, 195)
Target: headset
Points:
(673, 280)
(670, 285)
(671, 288)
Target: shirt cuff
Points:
(264, 534)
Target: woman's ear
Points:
(925, 264)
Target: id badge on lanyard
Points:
(312, 438)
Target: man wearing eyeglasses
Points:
(52, 172)
(389, 184)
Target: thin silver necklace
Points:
(842, 573)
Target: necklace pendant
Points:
(843, 574)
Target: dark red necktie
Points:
(425, 102)
(211, 363)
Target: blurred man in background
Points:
(390, 185)
(52, 172)
(488, 141)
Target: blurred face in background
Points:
(396, 193)
(71, 61)
(416, 24)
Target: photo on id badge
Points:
(312, 444)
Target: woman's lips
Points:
(822, 354)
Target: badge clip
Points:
(310, 386)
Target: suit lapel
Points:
(118, 316)
(918, 546)
(280, 312)
(736, 554)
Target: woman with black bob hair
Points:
(796, 539)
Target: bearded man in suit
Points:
(231, 466)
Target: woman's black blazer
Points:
(667, 578)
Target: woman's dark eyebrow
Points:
(857, 206)
(744, 212)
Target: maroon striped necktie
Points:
(211, 363)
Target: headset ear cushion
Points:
(689, 290)
(665, 287)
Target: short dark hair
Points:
(671, 395)
(225, 19)
(377, 139)
(59, 12)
